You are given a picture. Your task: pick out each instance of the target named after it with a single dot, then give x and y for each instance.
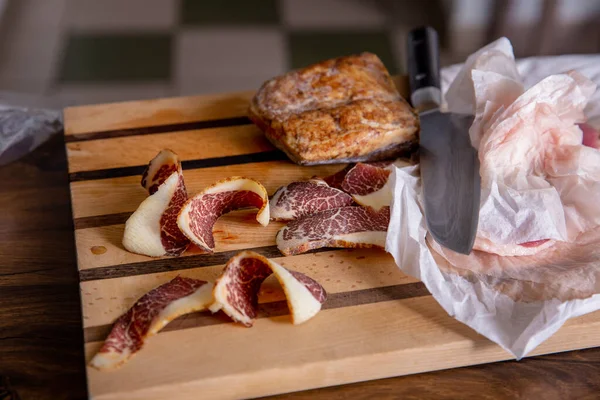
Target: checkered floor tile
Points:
(151, 47)
(86, 51)
(117, 57)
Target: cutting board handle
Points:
(424, 67)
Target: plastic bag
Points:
(24, 129)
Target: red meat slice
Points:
(343, 227)
(152, 312)
(299, 199)
(236, 290)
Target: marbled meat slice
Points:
(152, 229)
(369, 184)
(299, 199)
(236, 290)
(377, 199)
(199, 214)
(363, 179)
(150, 314)
(343, 227)
(336, 180)
(159, 169)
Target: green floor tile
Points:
(230, 12)
(310, 47)
(137, 57)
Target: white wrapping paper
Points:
(538, 182)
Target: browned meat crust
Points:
(341, 110)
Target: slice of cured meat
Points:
(150, 314)
(299, 199)
(336, 179)
(236, 290)
(378, 198)
(159, 169)
(343, 227)
(364, 179)
(199, 214)
(152, 229)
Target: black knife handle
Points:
(424, 66)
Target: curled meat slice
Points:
(363, 179)
(299, 199)
(336, 179)
(236, 290)
(152, 312)
(152, 229)
(377, 199)
(343, 227)
(199, 214)
(159, 169)
(369, 184)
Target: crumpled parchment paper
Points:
(538, 182)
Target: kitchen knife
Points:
(449, 164)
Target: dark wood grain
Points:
(41, 340)
(41, 335)
(572, 375)
(175, 263)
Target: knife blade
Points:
(448, 162)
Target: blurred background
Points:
(55, 53)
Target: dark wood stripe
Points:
(279, 308)
(265, 156)
(176, 263)
(101, 220)
(151, 130)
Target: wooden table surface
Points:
(41, 347)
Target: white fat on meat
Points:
(159, 169)
(152, 230)
(383, 196)
(236, 290)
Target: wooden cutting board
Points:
(376, 323)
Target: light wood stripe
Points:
(138, 170)
(119, 195)
(189, 145)
(152, 130)
(167, 111)
(372, 341)
(279, 308)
